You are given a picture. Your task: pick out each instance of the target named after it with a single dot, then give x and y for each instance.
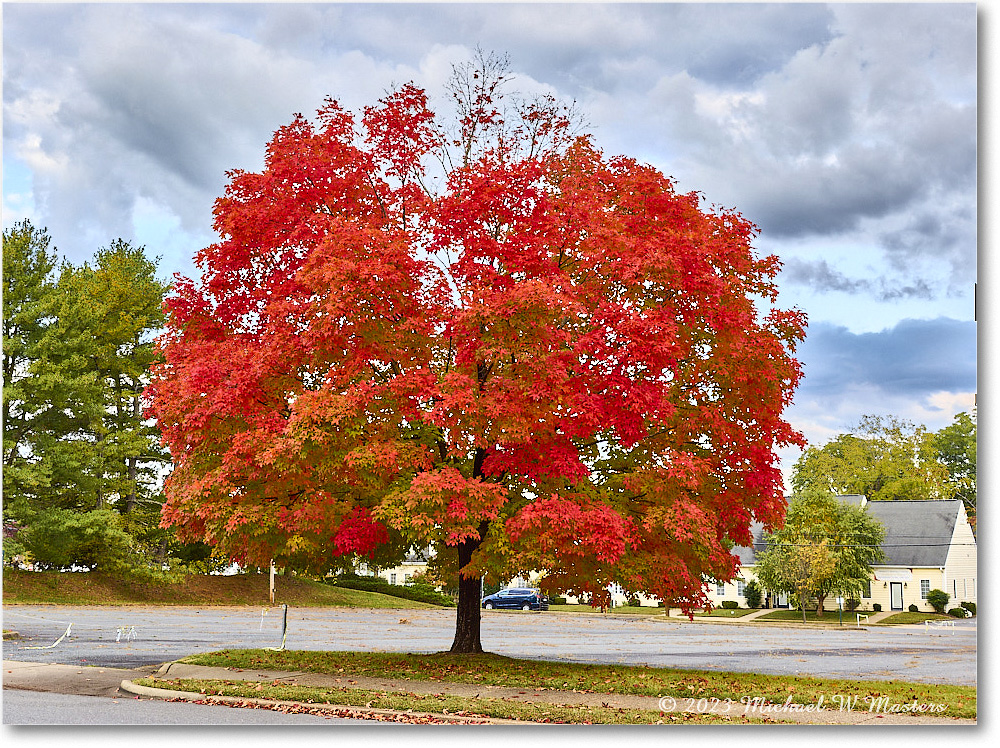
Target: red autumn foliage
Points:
(494, 338)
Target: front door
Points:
(896, 595)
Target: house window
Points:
(740, 587)
(867, 592)
(392, 579)
(954, 589)
(720, 588)
(925, 587)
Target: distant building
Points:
(414, 563)
(928, 545)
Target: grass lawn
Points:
(97, 588)
(639, 610)
(918, 617)
(489, 669)
(726, 612)
(832, 617)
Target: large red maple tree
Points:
(478, 333)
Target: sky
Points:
(847, 133)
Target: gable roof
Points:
(917, 533)
(747, 555)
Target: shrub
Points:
(61, 538)
(958, 613)
(752, 594)
(938, 599)
(423, 593)
(427, 577)
(852, 604)
(913, 608)
(730, 604)
(971, 607)
(634, 601)
(877, 608)
(557, 600)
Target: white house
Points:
(414, 563)
(928, 545)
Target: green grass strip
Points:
(496, 670)
(907, 617)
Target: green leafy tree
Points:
(107, 322)
(78, 345)
(28, 287)
(752, 594)
(884, 458)
(60, 538)
(826, 546)
(955, 445)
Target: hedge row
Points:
(422, 593)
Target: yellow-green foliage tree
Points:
(883, 458)
(956, 448)
(827, 546)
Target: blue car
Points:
(521, 598)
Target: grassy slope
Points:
(96, 588)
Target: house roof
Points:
(747, 555)
(917, 533)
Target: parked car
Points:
(517, 597)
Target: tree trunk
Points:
(133, 473)
(467, 639)
(132, 463)
(819, 605)
(468, 617)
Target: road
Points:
(131, 637)
(41, 708)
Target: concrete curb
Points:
(168, 694)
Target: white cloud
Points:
(847, 132)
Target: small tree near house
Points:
(752, 594)
(825, 547)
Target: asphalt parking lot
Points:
(131, 637)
